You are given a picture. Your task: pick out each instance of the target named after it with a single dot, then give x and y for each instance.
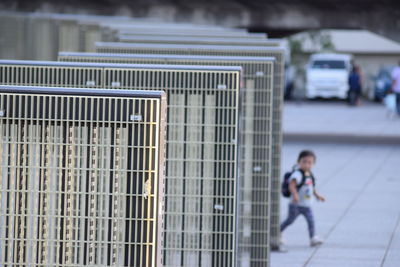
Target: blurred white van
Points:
(327, 75)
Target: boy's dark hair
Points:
(306, 153)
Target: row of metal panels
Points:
(41, 36)
(150, 29)
(260, 162)
(153, 26)
(224, 50)
(202, 145)
(81, 176)
(256, 136)
(125, 32)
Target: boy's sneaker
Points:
(316, 241)
(280, 247)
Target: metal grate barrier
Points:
(81, 177)
(202, 145)
(256, 134)
(259, 256)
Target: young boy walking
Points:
(302, 188)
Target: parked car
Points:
(382, 82)
(327, 75)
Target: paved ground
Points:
(360, 221)
(336, 118)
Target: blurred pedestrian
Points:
(302, 189)
(396, 86)
(354, 86)
(390, 103)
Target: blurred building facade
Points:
(371, 51)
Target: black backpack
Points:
(285, 183)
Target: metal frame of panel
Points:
(81, 172)
(256, 136)
(206, 40)
(193, 33)
(219, 50)
(202, 145)
(151, 25)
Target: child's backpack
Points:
(285, 183)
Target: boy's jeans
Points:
(294, 212)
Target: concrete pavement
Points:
(337, 119)
(360, 221)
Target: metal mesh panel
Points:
(255, 137)
(89, 34)
(68, 35)
(43, 38)
(81, 182)
(220, 50)
(202, 136)
(12, 35)
(41, 35)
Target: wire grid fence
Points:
(256, 135)
(202, 146)
(81, 182)
(278, 80)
